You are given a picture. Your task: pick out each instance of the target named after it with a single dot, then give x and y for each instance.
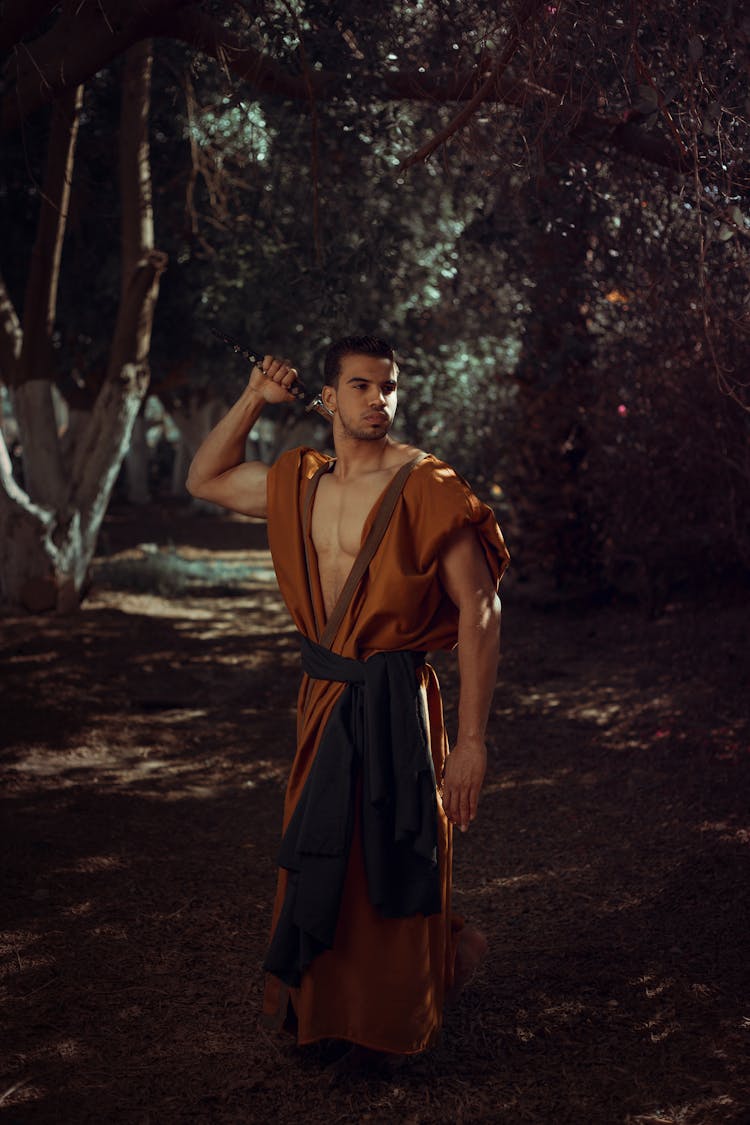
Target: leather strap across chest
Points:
(327, 633)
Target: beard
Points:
(369, 431)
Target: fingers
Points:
(278, 371)
(460, 802)
(462, 781)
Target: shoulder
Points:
(439, 479)
(299, 463)
(288, 476)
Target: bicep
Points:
(241, 489)
(464, 571)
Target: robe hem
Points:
(427, 1042)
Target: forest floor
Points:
(146, 742)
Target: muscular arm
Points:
(469, 584)
(218, 471)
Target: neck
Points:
(354, 456)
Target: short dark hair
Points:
(353, 345)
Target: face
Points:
(365, 399)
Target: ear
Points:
(328, 394)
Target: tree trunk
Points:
(136, 463)
(47, 547)
(194, 418)
(100, 453)
(180, 467)
(31, 377)
(554, 388)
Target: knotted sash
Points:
(377, 730)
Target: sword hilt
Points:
(298, 389)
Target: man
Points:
(382, 553)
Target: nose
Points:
(377, 398)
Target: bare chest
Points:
(339, 515)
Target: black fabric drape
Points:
(378, 727)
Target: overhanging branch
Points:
(488, 86)
(88, 42)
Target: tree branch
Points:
(486, 89)
(88, 41)
(21, 18)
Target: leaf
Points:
(725, 233)
(647, 101)
(695, 48)
(737, 216)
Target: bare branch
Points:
(89, 42)
(21, 18)
(485, 90)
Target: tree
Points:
(589, 213)
(49, 527)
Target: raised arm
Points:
(469, 584)
(218, 471)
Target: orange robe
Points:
(383, 983)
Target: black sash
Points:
(377, 730)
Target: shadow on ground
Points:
(146, 743)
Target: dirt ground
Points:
(145, 746)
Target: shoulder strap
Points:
(369, 547)
(312, 488)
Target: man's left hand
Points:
(462, 781)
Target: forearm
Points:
(478, 650)
(224, 448)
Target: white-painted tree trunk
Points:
(136, 463)
(48, 532)
(180, 467)
(194, 419)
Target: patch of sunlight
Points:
(267, 770)
(116, 932)
(34, 658)
(537, 699)
(88, 864)
(561, 1011)
(146, 605)
(517, 880)
(729, 833)
(170, 716)
(659, 1028)
(526, 879)
(21, 1093)
(618, 905)
(20, 939)
(63, 1049)
(78, 910)
(41, 763)
(652, 990)
(602, 713)
(219, 630)
(676, 1115)
(528, 782)
(35, 962)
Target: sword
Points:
(298, 389)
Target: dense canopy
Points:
(546, 206)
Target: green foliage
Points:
(571, 320)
